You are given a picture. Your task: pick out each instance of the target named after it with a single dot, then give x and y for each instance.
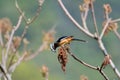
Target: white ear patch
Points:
(52, 47)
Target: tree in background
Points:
(11, 56)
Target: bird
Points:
(63, 41)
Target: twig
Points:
(101, 45)
(11, 36)
(3, 71)
(20, 11)
(88, 65)
(35, 16)
(117, 34)
(1, 39)
(82, 62)
(13, 67)
(84, 15)
(41, 47)
(27, 21)
(94, 18)
(116, 20)
(74, 21)
(84, 21)
(105, 27)
(33, 55)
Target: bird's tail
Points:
(79, 40)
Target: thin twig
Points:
(82, 62)
(41, 47)
(11, 36)
(84, 21)
(35, 16)
(94, 18)
(117, 34)
(101, 45)
(116, 20)
(1, 39)
(3, 71)
(103, 74)
(20, 11)
(33, 55)
(88, 65)
(105, 27)
(27, 21)
(13, 67)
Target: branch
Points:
(47, 39)
(94, 18)
(20, 11)
(99, 39)
(101, 45)
(13, 66)
(3, 71)
(74, 21)
(33, 55)
(29, 21)
(11, 37)
(88, 65)
(105, 27)
(1, 39)
(116, 20)
(117, 34)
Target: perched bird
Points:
(63, 41)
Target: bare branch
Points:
(88, 65)
(35, 16)
(1, 39)
(117, 34)
(94, 18)
(13, 67)
(33, 55)
(101, 45)
(84, 12)
(82, 62)
(20, 11)
(74, 21)
(49, 35)
(3, 71)
(11, 36)
(84, 21)
(116, 20)
(105, 27)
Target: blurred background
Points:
(50, 15)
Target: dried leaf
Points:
(87, 1)
(44, 71)
(62, 57)
(25, 41)
(5, 25)
(106, 61)
(48, 36)
(107, 8)
(110, 27)
(41, 2)
(83, 77)
(82, 8)
(16, 41)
